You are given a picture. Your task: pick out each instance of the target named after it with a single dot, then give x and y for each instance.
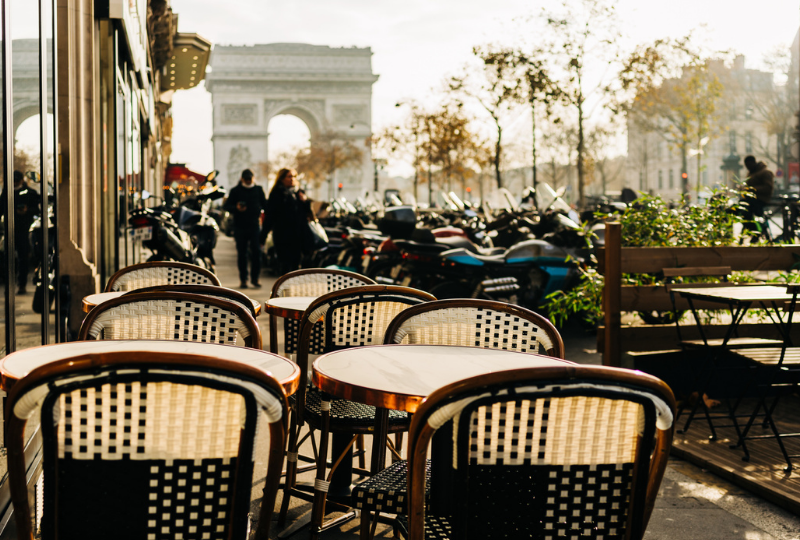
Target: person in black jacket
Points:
(760, 184)
(26, 206)
(246, 201)
(287, 217)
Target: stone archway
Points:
(329, 89)
(25, 82)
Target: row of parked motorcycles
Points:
(184, 231)
(511, 253)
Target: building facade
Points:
(87, 86)
(748, 120)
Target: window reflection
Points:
(27, 166)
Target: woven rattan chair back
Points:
(476, 323)
(154, 273)
(352, 317)
(309, 282)
(172, 316)
(210, 290)
(545, 453)
(148, 446)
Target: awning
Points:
(178, 172)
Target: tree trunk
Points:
(497, 148)
(581, 179)
(533, 145)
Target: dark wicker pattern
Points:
(351, 414)
(291, 329)
(386, 491)
(436, 527)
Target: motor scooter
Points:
(159, 233)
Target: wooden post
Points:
(611, 295)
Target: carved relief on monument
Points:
(238, 160)
(347, 114)
(302, 63)
(274, 106)
(239, 115)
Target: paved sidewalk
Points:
(692, 504)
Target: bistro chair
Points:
(312, 282)
(309, 282)
(557, 452)
(352, 317)
(173, 316)
(778, 375)
(210, 290)
(153, 273)
(464, 322)
(155, 445)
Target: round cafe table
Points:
(90, 301)
(288, 307)
(18, 364)
(400, 377)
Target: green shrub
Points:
(650, 221)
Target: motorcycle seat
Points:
(420, 247)
(452, 242)
(462, 256)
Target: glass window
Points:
(27, 170)
(748, 142)
(671, 180)
(660, 179)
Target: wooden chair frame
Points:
(92, 364)
(313, 314)
(276, 287)
(209, 290)
(644, 490)
(253, 341)
(200, 271)
(557, 351)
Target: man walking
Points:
(26, 206)
(246, 201)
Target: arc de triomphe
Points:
(330, 89)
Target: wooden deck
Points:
(763, 474)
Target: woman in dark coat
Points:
(287, 217)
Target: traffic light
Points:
(340, 186)
(684, 175)
(469, 190)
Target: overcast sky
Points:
(417, 43)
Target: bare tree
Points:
(539, 88)
(776, 105)
(582, 32)
(672, 88)
(329, 152)
(495, 87)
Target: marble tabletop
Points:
(741, 293)
(401, 376)
(290, 307)
(18, 364)
(90, 301)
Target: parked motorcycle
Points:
(40, 281)
(159, 233)
(193, 216)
